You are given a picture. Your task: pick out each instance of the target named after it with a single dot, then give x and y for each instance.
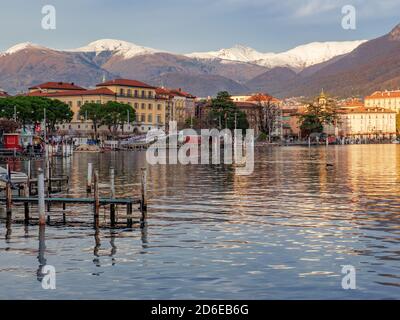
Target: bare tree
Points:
(270, 114)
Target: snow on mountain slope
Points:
(236, 53)
(297, 58)
(126, 49)
(20, 47)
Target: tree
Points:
(116, 115)
(317, 115)
(94, 112)
(270, 114)
(30, 110)
(225, 114)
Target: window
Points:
(70, 103)
(149, 118)
(122, 92)
(159, 107)
(150, 94)
(129, 92)
(98, 101)
(143, 118)
(150, 106)
(136, 105)
(143, 93)
(136, 93)
(159, 118)
(143, 106)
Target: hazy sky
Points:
(194, 25)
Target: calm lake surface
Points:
(282, 233)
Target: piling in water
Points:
(143, 202)
(96, 199)
(41, 201)
(112, 189)
(89, 178)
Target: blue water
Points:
(282, 233)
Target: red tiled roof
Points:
(99, 91)
(126, 83)
(262, 97)
(366, 110)
(384, 94)
(174, 92)
(181, 93)
(57, 86)
(353, 103)
(3, 94)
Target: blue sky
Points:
(195, 25)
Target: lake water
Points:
(282, 233)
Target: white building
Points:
(384, 99)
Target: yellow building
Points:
(384, 99)
(150, 108)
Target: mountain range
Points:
(349, 68)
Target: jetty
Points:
(44, 202)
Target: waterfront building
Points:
(181, 105)
(359, 121)
(154, 107)
(384, 99)
(52, 87)
(366, 122)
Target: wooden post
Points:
(89, 178)
(26, 203)
(143, 202)
(64, 216)
(29, 174)
(41, 200)
(129, 214)
(48, 183)
(8, 197)
(112, 205)
(96, 199)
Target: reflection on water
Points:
(283, 232)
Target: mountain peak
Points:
(22, 46)
(123, 48)
(395, 33)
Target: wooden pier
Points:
(96, 201)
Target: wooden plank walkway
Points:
(103, 201)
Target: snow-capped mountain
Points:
(237, 53)
(21, 47)
(123, 48)
(298, 58)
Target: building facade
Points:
(154, 107)
(384, 99)
(149, 107)
(367, 122)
